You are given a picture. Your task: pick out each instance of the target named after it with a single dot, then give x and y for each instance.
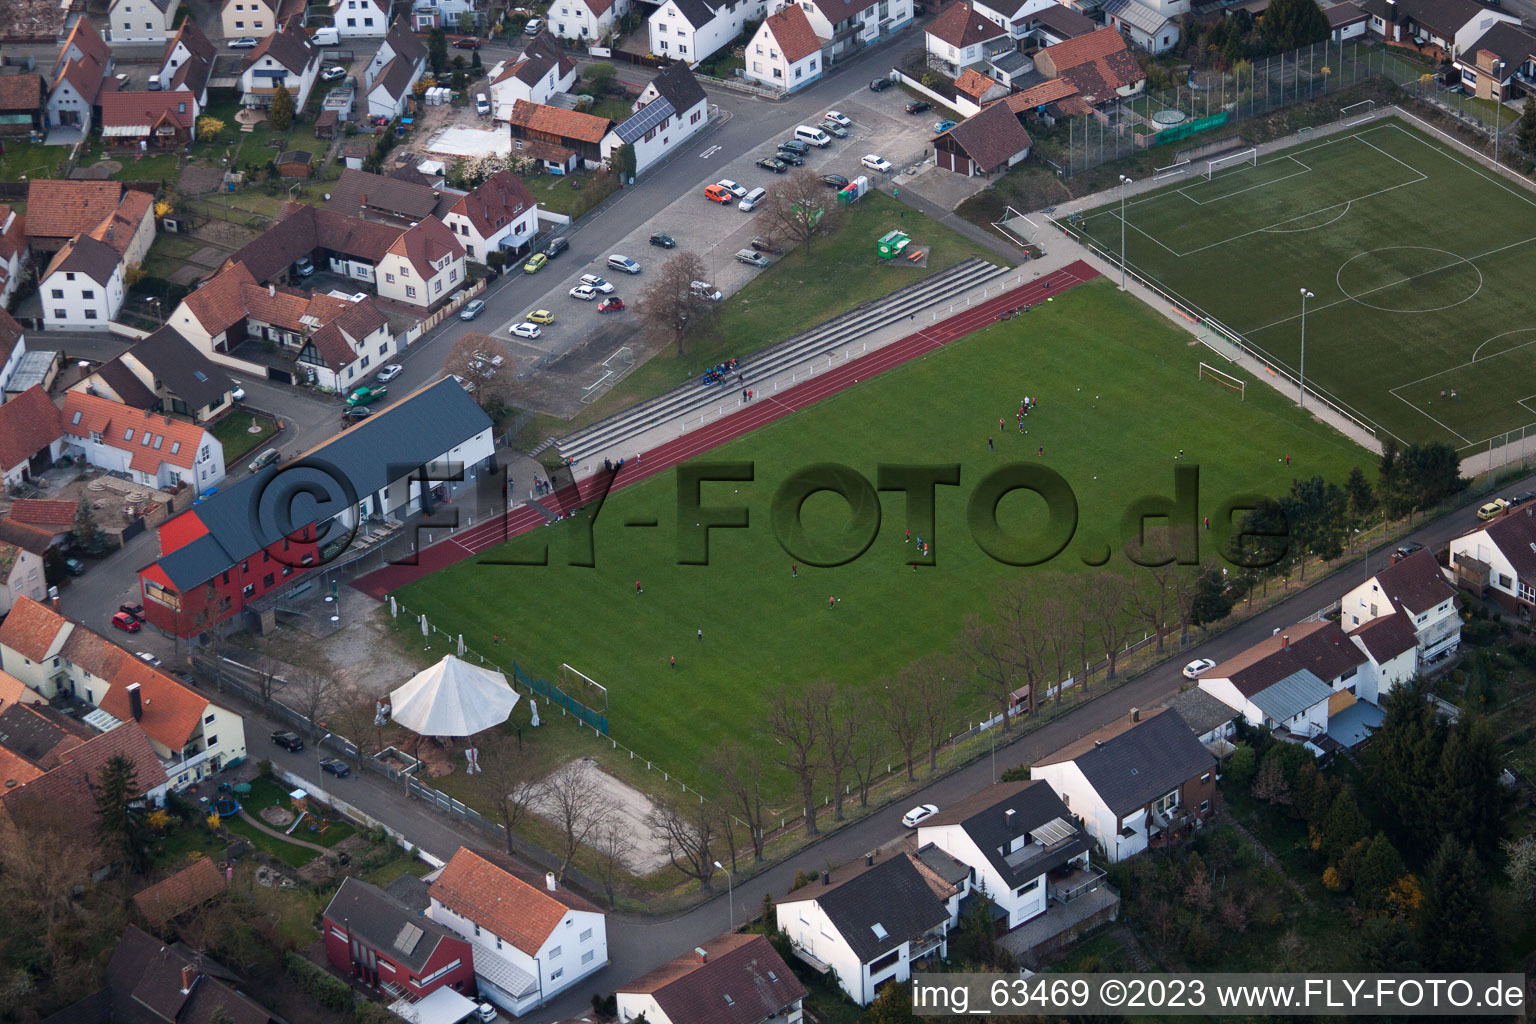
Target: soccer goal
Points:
(1358, 111)
(1221, 163)
(1226, 380)
(593, 694)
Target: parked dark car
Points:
(794, 146)
(288, 740)
(74, 566)
(136, 610)
(1522, 498)
(834, 181)
(880, 84)
(773, 164)
(466, 43)
(664, 241)
(790, 157)
(335, 766)
(918, 107)
(762, 244)
(556, 246)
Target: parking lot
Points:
(714, 231)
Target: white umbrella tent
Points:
(453, 698)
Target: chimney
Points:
(363, 200)
(702, 954)
(271, 289)
(188, 976)
(869, 859)
(1135, 714)
(549, 881)
(1285, 641)
(1098, 743)
(1008, 817)
(135, 702)
(826, 878)
(1391, 12)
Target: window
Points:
(59, 314)
(555, 974)
(586, 957)
(213, 741)
(250, 588)
(1505, 582)
(175, 447)
(69, 276)
(554, 953)
(268, 580)
(208, 720)
(410, 291)
(389, 278)
(1205, 806)
(128, 434)
(90, 314)
(586, 936)
(58, 293)
(437, 287)
(405, 271)
(777, 73)
(1166, 803)
(1031, 887)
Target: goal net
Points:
(591, 693)
(1221, 163)
(1226, 380)
(1360, 110)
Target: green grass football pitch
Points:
(1118, 397)
(1419, 259)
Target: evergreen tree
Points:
(86, 535)
(1345, 825)
(892, 1006)
(1528, 126)
(1264, 539)
(475, 62)
(120, 813)
(1389, 479)
(1362, 500)
(1384, 944)
(1453, 922)
(1468, 800)
(1379, 868)
(1405, 758)
(437, 51)
(1292, 24)
(282, 109)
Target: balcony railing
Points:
(1071, 886)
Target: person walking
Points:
(794, 570)
(639, 589)
(701, 634)
(990, 446)
(831, 601)
(674, 661)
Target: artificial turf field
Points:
(1117, 396)
(1420, 262)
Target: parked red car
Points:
(612, 304)
(125, 622)
(467, 43)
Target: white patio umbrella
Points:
(453, 698)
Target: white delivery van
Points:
(815, 136)
(328, 36)
(750, 201)
(482, 105)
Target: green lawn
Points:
(1409, 306)
(574, 195)
(1118, 397)
(265, 793)
(24, 159)
(233, 432)
(801, 290)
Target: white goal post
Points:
(1247, 156)
(593, 693)
(1361, 110)
(1226, 380)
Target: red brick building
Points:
(382, 944)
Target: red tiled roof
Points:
(1097, 64)
(26, 536)
(796, 38)
(63, 208)
(21, 92)
(85, 36)
(961, 26)
(426, 244)
(218, 304)
(1387, 636)
(1072, 52)
(42, 512)
(990, 138)
(14, 691)
(1320, 647)
(125, 428)
(119, 229)
(501, 199)
(170, 897)
(742, 980)
(29, 423)
(567, 124)
(65, 793)
(1029, 100)
(171, 712)
(973, 83)
(510, 901)
(134, 109)
(1415, 583)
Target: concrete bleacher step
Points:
(785, 355)
(541, 446)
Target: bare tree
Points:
(474, 357)
(573, 798)
(1029, 636)
(614, 843)
(511, 779)
(1149, 598)
(740, 771)
(800, 207)
(313, 691)
(868, 746)
(793, 719)
(690, 831)
(44, 861)
(840, 730)
(670, 306)
(900, 711)
(1110, 596)
(355, 716)
(992, 662)
(937, 682)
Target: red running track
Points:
(482, 536)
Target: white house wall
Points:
(1069, 783)
(71, 310)
(809, 928)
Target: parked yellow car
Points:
(1492, 509)
(535, 263)
(542, 316)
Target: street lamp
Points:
(1124, 181)
(730, 893)
(1301, 396)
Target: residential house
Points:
(1017, 16)
(445, 14)
(1020, 843)
(424, 266)
(537, 76)
(690, 30)
(162, 120)
(1098, 65)
(1445, 28)
(1497, 560)
(731, 979)
(1346, 21)
(1137, 782)
(1284, 682)
(82, 289)
(150, 981)
(284, 58)
(383, 945)
(141, 21)
(1391, 645)
(1146, 26)
(215, 561)
(56, 788)
(1210, 718)
(21, 573)
(866, 924)
(55, 519)
(500, 215)
(180, 892)
(533, 938)
(671, 109)
(60, 209)
(785, 51)
(391, 77)
(129, 229)
(21, 104)
(14, 253)
(30, 537)
(76, 81)
(389, 200)
(849, 25)
(31, 435)
(335, 342)
(562, 140)
(985, 144)
(586, 21)
(350, 246)
(979, 90)
(163, 372)
(1056, 23)
(1491, 66)
(962, 36)
(258, 19)
(360, 19)
(152, 449)
(191, 736)
(13, 340)
(1416, 588)
(188, 63)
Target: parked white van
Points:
(750, 201)
(815, 136)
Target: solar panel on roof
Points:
(410, 934)
(646, 118)
(1053, 832)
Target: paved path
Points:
(275, 834)
(771, 406)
